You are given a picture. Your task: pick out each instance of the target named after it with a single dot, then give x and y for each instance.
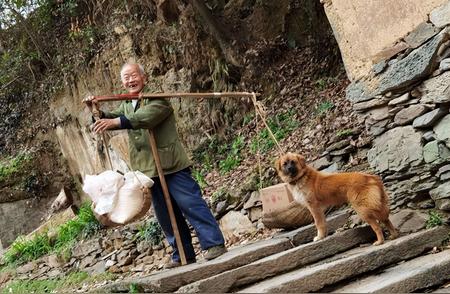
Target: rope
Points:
(259, 109)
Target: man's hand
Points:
(104, 124)
(89, 102)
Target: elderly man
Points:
(157, 114)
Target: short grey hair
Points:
(141, 68)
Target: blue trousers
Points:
(187, 203)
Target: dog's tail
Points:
(379, 197)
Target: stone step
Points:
(416, 274)
(352, 263)
(282, 262)
(173, 279)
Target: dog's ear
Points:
(278, 164)
(301, 160)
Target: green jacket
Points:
(155, 114)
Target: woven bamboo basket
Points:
(292, 216)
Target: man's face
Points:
(132, 79)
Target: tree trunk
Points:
(217, 31)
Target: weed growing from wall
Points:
(83, 225)
(150, 232)
(434, 219)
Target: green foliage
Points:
(323, 107)
(248, 118)
(52, 285)
(83, 226)
(150, 232)
(199, 178)
(321, 84)
(344, 133)
(13, 165)
(134, 288)
(233, 158)
(280, 126)
(434, 220)
(22, 250)
(220, 195)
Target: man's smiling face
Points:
(132, 78)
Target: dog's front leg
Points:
(319, 221)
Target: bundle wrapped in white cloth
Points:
(119, 199)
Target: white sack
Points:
(103, 190)
(130, 199)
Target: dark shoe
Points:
(173, 264)
(215, 251)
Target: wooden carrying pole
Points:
(153, 145)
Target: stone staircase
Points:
(343, 262)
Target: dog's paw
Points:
(376, 243)
(317, 238)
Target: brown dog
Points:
(318, 190)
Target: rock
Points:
(421, 34)
(54, 261)
(377, 114)
(320, 163)
(26, 268)
(87, 261)
(399, 75)
(445, 64)
(361, 106)
(148, 260)
(234, 224)
(338, 145)
(441, 192)
(427, 204)
(431, 152)
(255, 213)
(396, 150)
(443, 204)
(54, 273)
(378, 128)
(442, 130)
(98, 268)
(109, 263)
(346, 150)
(409, 221)
(440, 16)
(429, 136)
(399, 100)
(221, 207)
(332, 168)
(429, 119)
(436, 90)
(143, 246)
(407, 115)
(254, 200)
(84, 249)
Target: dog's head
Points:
(290, 167)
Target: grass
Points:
(199, 178)
(150, 232)
(218, 196)
(434, 220)
(13, 165)
(344, 133)
(324, 107)
(281, 125)
(23, 250)
(233, 158)
(73, 279)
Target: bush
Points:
(150, 232)
(22, 250)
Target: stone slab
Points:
(171, 280)
(419, 273)
(352, 263)
(281, 262)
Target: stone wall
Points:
(404, 103)
(367, 30)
